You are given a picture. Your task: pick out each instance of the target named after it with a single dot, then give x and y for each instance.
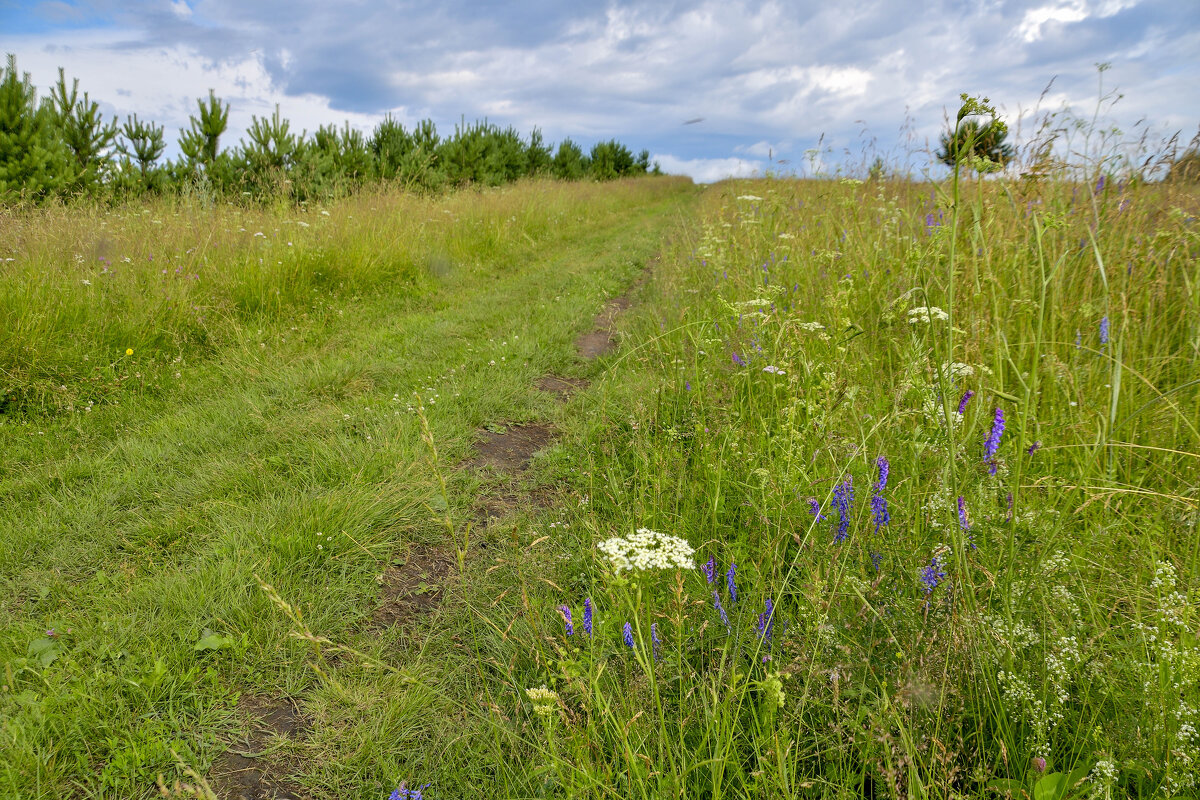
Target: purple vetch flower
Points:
(843, 498)
(966, 398)
(1100, 185)
(1104, 330)
(729, 582)
(876, 560)
(687, 386)
(766, 622)
(932, 575)
(654, 639)
(1033, 448)
(628, 629)
(993, 441)
(815, 508)
(720, 609)
(963, 522)
(879, 508)
(710, 569)
(566, 614)
(738, 359)
(884, 469)
(404, 793)
(587, 616)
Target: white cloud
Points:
(708, 170)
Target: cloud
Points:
(708, 170)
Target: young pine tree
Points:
(30, 166)
(84, 132)
(200, 143)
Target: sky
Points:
(711, 89)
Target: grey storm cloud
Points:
(856, 72)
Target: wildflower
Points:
(876, 560)
(654, 639)
(966, 398)
(1104, 330)
(1033, 448)
(647, 549)
(687, 386)
(815, 508)
(628, 629)
(566, 614)
(926, 314)
(773, 370)
(932, 575)
(879, 508)
(993, 441)
(766, 621)
(738, 359)
(544, 701)
(720, 609)
(1078, 339)
(710, 569)
(1100, 185)
(843, 497)
(729, 582)
(128, 351)
(963, 522)
(587, 616)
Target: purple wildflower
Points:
(1078, 339)
(815, 508)
(628, 629)
(879, 508)
(966, 398)
(566, 614)
(1100, 185)
(654, 639)
(993, 441)
(962, 515)
(720, 609)
(738, 359)
(729, 582)
(1104, 330)
(766, 621)
(587, 616)
(687, 386)
(932, 575)
(404, 793)
(710, 569)
(843, 498)
(876, 560)
(1033, 448)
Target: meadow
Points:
(888, 489)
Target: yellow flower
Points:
(129, 351)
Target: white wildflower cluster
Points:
(958, 370)
(1043, 717)
(646, 550)
(1016, 636)
(545, 701)
(926, 314)
(810, 326)
(753, 198)
(1103, 778)
(774, 370)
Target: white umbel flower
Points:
(926, 314)
(647, 550)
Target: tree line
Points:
(62, 147)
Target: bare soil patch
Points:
(249, 769)
(599, 340)
(510, 449)
(413, 586)
(560, 387)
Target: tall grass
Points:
(1021, 624)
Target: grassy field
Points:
(925, 475)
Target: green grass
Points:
(1055, 657)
